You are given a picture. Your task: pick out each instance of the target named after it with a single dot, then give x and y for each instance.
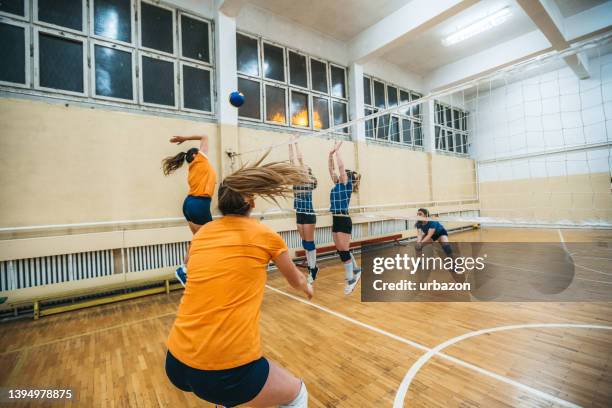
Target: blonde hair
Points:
(269, 181)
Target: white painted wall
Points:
(383, 69)
(289, 33)
(550, 111)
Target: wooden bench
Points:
(121, 291)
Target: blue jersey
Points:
(302, 198)
(426, 226)
(340, 197)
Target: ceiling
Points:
(340, 19)
(345, 19)
(424, 53)
(570, 7)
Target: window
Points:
(297, 70)
(338, 80)
(276, 109)
(450, 128)
(197, 85)
(340, 115)
(382, 127)
(64, 14)
(379, 95)
(318, 72)
(391, 96)
(367, 92)
(291, 88)
(159, 56)
(247, 58)
(369, 125)
(60, 62)
(402, 126)
(299, 109)
(195, 39)
(274, 62)
(394, 131)
(252, 94)
(406, 131)
(112, 20)
(157, 28)
(404, 99)
(14, 8)
(113, 72)
(157, 80)
(14, 52)
(320, 112)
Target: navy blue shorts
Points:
(197, 209)
(229, 388)
(438, 234)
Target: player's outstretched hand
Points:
(309, 291)
(177, 139)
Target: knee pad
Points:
(345, 256)
(448, 250)
(300, 401)
(309, 245)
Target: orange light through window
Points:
(300, 118)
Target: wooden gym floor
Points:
(350, 354)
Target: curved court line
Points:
(405, 384)
(454, 360)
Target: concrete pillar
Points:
(356, 108)
(226, 82)
(429, 132)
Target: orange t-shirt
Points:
(202, 177)
(217, 323)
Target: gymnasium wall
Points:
(543, 146)
(72, 164)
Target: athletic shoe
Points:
(312, 274)
(350, 285)
(181, 275)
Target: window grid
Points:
(291, 88)
(27, 43)
(451, 129)
(86, 36)
(400, 128)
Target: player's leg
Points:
(308, 242)
(446, 247)
(281, 389)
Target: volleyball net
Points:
(528, 144)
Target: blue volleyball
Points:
(236, 99)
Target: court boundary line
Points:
(431, 351)
(436, 351)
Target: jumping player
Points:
(306, 218)
(214, 347)
(201, 179)
(345, 183)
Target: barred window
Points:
(401, 127)
(451, 130)
(99, 49)
(286, 87)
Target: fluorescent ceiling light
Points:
(490, 21)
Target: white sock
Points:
(301, 401)
(311, 257)
(348, 270)
(354, 261)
